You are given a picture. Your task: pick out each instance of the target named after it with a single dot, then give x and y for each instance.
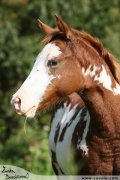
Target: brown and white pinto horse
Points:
(73, 61)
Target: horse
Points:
(74, 61)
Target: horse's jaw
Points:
(31, 112)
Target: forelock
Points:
(54, 36)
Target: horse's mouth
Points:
(33, 111)
(30, 113)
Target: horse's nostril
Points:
(17, 103)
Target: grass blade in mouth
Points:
(25, 122)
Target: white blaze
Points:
(34, 87)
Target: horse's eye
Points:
(52, 63)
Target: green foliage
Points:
(19, 44)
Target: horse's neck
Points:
(104, 109)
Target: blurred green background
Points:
(19, 44)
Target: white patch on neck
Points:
(89, 71)
(103, 78)
(56, 120)
(35, 86)
(82, 142)
(63, 150)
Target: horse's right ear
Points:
(63, 27)
(46, 29)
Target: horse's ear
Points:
(46, 29)
(63, 27)
(114, 66)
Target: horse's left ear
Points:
(63, 27)
(46, 29)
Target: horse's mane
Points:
(109, 59)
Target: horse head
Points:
(61, 68)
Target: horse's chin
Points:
(31, 112)
(30, 115)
